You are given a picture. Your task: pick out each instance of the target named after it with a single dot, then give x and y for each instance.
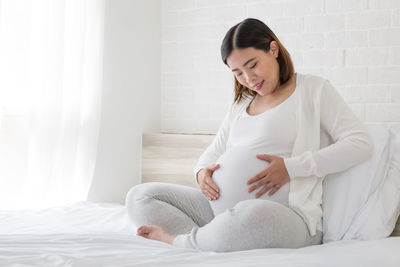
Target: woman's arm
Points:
(218, 145)
(352, 143)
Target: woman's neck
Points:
(282, 90)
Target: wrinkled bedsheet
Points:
(100, 234)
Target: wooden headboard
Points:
(170, 158)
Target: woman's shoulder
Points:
(246, 99)
(237, 108)
(312, 87)
(311, 80)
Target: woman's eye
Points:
(255, 64)
(239, 74)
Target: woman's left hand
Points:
(274, 176)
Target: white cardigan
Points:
(330, 138)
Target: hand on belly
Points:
(237, 166)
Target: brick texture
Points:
(353, 43)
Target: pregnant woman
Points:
(261, 178)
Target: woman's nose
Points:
(250, 78)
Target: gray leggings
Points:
(186, 212)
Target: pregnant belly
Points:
(237, 166)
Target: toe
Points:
(142, 230)
(147, 228)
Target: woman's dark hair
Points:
(254, 33)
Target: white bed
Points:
(100, 234)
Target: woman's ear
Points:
(274, 48)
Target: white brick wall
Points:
(353, 43)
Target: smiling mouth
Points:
(259, 85)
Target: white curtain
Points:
(50, 97)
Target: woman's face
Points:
(256, 69)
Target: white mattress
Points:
(100, 234)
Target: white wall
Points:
(353, 43)
(131, 94)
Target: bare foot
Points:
(156, 233)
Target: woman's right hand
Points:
(206, 182)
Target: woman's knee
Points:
(140, 191)
(138, 197)
(133, 194)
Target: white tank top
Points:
(271, 132)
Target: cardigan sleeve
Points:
(351, 145)
(217, 146)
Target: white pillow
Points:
(378, 216)
(346, 192)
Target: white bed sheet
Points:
(100, 234)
